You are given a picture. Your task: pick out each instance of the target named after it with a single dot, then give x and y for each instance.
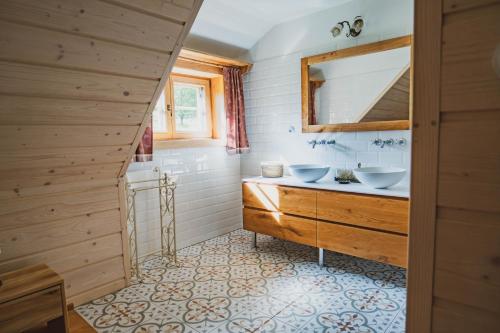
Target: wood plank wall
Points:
(454, 268)
(77, 78)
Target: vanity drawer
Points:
(291, 228)
(383, 213)
(290, 200)
(363, 243)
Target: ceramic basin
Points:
(379, 177)
(308, 172)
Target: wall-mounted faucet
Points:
(314, 143)
(389, 142)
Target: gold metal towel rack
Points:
(166, 188)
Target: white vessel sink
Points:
(308, 172)
(379, 177)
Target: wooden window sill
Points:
(187, 143)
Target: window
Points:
(184, 109)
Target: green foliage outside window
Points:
(185, 100)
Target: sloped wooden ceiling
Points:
(77, 79)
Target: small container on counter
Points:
(271, 169)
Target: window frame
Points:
(172, 133)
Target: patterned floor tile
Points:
(227, 285)
(249, 321)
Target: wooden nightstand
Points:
(31, 297)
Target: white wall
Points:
(272, 88)
(207, 198)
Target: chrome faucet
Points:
(314, 143)
(389, 142)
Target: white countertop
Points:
(398, 190)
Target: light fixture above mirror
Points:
(354, 29)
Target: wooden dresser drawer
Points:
(384, 213)
(291, 228)
(289, 200)
(368, 244)
(26, 312)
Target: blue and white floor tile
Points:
(226, 285)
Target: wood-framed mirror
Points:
(362, 88)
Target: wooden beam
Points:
(198, 66)
(210, 59)
(423, 193)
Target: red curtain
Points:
(237, 141)
(144, 152)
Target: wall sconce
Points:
(353, 30)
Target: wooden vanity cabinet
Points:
(367, 226)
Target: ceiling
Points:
(241, 23)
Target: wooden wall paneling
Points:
(466, 271)
(450, 6)
(61, 157)
(36, 45)
(97, 19)
(425, 137)
(456, 317)
(469, 177)
(184, 3)
(31, 80)
(471, 64)
(468, 274)
(90, 276)
(164, 79)
(78, 80)
(27, 211)
(97, 292)
(178, 11)
(20, 137)
(32, 239)
(15, 110)
(75, 256)
(84, 185)
(467, 249)
(123, 201)
(26, 182)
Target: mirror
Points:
(364, 88)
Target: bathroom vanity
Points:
(352, 219)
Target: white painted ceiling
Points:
(242, 23)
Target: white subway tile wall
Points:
(207, 197)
